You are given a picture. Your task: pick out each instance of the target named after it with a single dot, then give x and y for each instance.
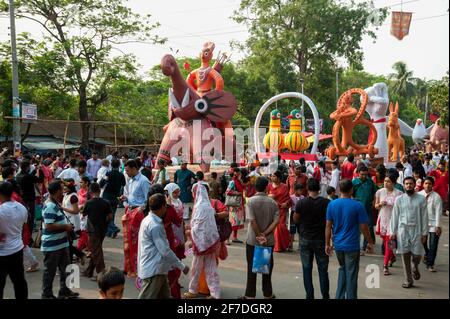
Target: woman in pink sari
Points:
(280, 193)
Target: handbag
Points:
(261, 260)
(233, 200)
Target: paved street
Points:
(287, 275)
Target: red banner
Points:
(400, 24)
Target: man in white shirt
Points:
(101, 174)
(434, 207)
(71, 172)
(155, 258)
(13, 216)
(409, 226)
(436, 158)
(335, 176)
(408, 171)
(428, 166)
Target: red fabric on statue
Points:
(131, 222)
(281, 195)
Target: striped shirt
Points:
(57, 239)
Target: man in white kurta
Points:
(409, 225)
(434, 207)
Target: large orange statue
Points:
(202, 80)
(344, 121)
(396, 144)
(191, 111)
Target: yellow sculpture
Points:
(274, 138)
(295, 141)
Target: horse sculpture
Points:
(396, 144)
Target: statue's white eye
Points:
(297, 116)
(278, 114)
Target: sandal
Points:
(244, 298)
(407, 285)
(393, 260)
(386, 271)
(271, 297)
(416, 274)
(33, 268)
(189, 295)
(237, 241)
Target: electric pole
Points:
(15, 83)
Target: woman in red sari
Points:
(280, 193)
(131, 222)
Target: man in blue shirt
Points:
(155, 258)
(136, 190)
(55, 244)
(346, 217)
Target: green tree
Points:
(401, 80)
(302, 35)
(439, 99)
(80, 35)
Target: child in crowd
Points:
(331, 192)
(295, 198)
(111, 283)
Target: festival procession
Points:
(315, 158)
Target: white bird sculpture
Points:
(418, 133)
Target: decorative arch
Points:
(284, 96)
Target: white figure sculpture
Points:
(377, 108)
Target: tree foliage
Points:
(76, 51)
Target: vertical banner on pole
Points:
(16, 115)
(400, 24)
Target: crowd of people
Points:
(66, 207)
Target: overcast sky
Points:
(188, 24)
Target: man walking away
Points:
(262, 212)
(112, 184)
(13, 216)
(346, 217)
(99, 213)
(310, 215)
